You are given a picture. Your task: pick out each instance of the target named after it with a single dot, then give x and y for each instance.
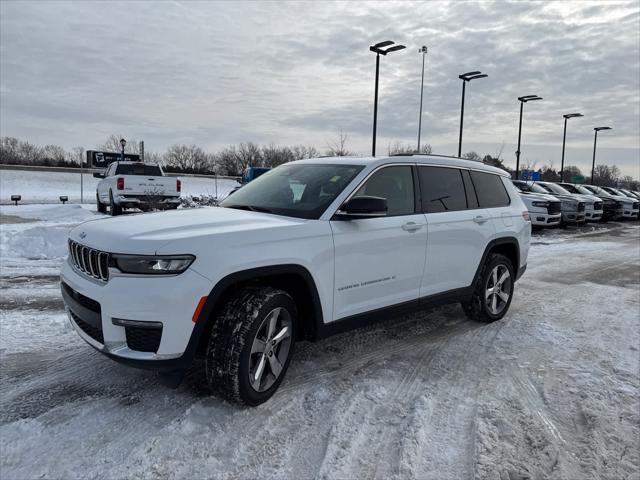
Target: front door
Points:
(379, 262)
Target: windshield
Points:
(530, 187)
(571, 188)
(297, 190)
(138, 169)
(583, 189)
(597, 190)
(553, 188)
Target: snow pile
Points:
(42, 230)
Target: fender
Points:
(494, 243)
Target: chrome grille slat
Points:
(89, 261)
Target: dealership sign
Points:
(97, 159)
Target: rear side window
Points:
(442, 189)
(490, 190)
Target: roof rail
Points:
(425, 155)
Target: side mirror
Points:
(363, 207)
(98, 175)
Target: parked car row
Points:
(552, 204)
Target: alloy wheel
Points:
(270, 349)
(498, 290)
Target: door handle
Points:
(411, 226)
(480, 219)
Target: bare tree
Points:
(113, 145)
(472, 156)
(398, 148)
(338, 147)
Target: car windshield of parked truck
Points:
(555, 188)
(530, 187)
(297, 190)
(572, 189)
(138, 169)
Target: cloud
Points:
(218, 73)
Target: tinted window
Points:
(490, 190)
(294, 190)
(396, 185)
(139, 169)
(570, 188)
(442, 189)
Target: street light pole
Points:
(466, 77)
(522, 100)
(564, 138)
(422, 50)
(595, 139)
(378, 50)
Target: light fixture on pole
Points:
(466, 77)
(378, 50)
(522, 100)
(564, 138)
(123, 142)
(422, 50)
(595, 139)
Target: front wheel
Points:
(251, 345)
(493, 290)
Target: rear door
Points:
(380, 261)
(458, 229)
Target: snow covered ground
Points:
(46, 187)
(551, 391)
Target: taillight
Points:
(120, 183)
(178, 186)
(526, 216)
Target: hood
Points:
(537, 197)
(588, 199)
(147, 233)
(620, 198)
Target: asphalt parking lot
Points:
(551, 391)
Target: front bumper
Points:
(573, 216)
(545, 219)
(125, 201)
(593, 215)
(103, 315)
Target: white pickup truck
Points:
(136, 185)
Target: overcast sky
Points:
(214, 74)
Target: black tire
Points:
(102, 208)
(477, 308)
(229, 356)
(113, 208)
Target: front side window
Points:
(490, 190)
(442, 189)
(295, 190)
(396, 185)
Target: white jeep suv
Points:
(309, 249)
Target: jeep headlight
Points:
(152, 264)
(540, 204)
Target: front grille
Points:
(93, 332)
(636, 206)
(89, 261)
(86, 302)
(143, 339)
(597, 206)
(554, 208)
(581, 206)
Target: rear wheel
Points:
(102, 208)
(493, 290)
(113, 208)
(251, 345)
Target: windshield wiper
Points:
(251, 208)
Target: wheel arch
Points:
(507, 246)
(292, 278)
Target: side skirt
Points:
(368, 318)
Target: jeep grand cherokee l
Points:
(309, 249)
